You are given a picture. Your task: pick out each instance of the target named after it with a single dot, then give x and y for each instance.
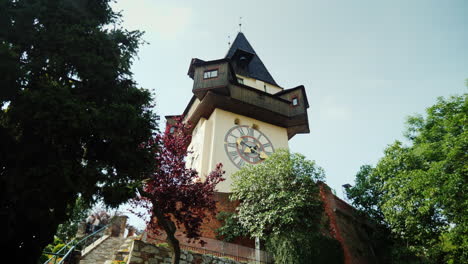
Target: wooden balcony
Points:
(287, 108)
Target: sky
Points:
(366, 65)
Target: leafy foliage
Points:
(280, 204)
(277, 195)
(67, 230)
(305, 247)
(72, 120)
(364, 193)
(54, 247)
(174, 194)
(420, 191)
(231, 228)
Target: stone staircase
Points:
(103, 252)
(124, 250)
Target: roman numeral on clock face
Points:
(259, 137)
(251, 132)
(233, 154)
(241, 131)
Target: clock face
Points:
(244, 145)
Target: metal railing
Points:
(221, 249)
(73, 245)
(58, 254)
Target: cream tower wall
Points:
(260, 85)
(207, 144)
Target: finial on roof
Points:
(240, 24)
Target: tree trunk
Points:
(176, 250)
(170, 229)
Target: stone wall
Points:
(117, 226)
(143, 253)
(349, 228)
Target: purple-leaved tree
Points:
(175, 196)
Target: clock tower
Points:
(240, 115)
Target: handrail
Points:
(79, 242)
(73, 245)
(57, 253)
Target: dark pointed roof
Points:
(256, 68)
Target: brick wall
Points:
(223, 204)
(211, 223)
(345, 225)
(349, 228)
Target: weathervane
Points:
(240, 24)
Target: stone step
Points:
(124, 249)
(103, 252)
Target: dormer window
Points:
(210, 74)
(295, 101)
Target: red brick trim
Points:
(328, 204)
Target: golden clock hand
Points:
(262, 154)
(254, 149)
(247, 149)
(240, 141)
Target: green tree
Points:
(54, 247)
(420, 191)
(72, 121)
(280, 203)
(77, 214)
(366, 194)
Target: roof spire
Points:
(256, 68)
(240, 24)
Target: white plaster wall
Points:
(222, 121)
(260, 85)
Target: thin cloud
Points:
(167, 20)
(332, 110)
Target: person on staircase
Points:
(96, 223)
(89, 224)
